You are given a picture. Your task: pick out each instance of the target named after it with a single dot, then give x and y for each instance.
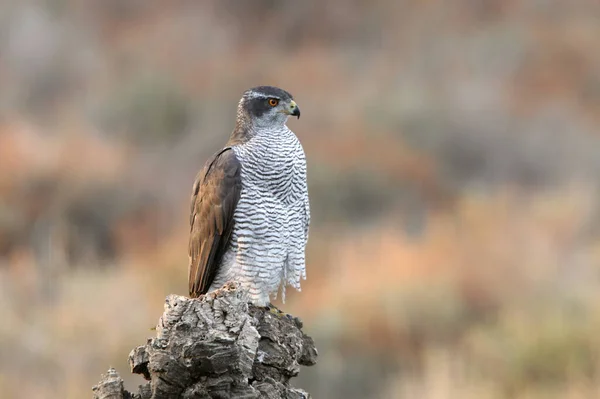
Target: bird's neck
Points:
(245, 131)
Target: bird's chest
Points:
(275, 174)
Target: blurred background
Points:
(454, 174)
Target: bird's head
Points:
(267, 107)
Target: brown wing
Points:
(215, 195)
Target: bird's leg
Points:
(277, 312)
(273, 309)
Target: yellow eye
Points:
(273, 102)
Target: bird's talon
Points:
(277, 312)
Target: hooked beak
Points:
(293, 109)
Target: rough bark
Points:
(217, 346)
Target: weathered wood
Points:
(217, 346)
(110, 387)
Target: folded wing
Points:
(215, 195)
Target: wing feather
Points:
(215, 195)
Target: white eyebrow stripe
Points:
(254, 94)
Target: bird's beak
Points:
(293, 109)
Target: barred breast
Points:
(271, 219)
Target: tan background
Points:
(454, 169)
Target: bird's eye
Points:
(273, 102)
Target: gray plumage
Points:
(249, 210)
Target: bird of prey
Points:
(249, 208)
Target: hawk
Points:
(249, 208)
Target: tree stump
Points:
(217, 346)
